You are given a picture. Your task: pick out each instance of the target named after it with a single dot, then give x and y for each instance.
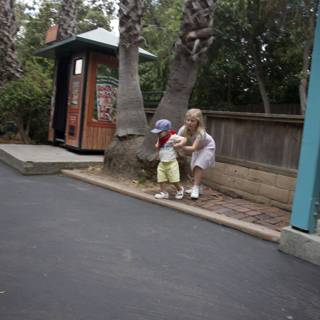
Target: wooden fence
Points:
(268, 142)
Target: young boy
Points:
(168, 167)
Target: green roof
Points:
(98, 39)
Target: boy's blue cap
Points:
(161, 125)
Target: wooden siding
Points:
(96, 134)
(97, 138)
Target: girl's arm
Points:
(194, 147)
(179, 144)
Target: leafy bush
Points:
(26, 102)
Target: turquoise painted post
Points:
(306, 200)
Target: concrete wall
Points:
(257, 155)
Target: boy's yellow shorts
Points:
(168, 171)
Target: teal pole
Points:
(306, 201)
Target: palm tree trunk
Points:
(131, 121)
(174, 103)
(131, 118)
(68, 19)
(194, 40)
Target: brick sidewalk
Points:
(217, 202)
(245, 210)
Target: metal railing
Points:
(152, 98)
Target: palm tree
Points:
(9, 65)
(68, 19)
(194, 40)
(131, 119)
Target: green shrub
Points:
(26, 102)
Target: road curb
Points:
(246, 227)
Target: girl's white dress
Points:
(204, 157)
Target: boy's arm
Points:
(157, 144)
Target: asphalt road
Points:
(69, 250)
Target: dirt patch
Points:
(140, 183)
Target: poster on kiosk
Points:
(106, 94)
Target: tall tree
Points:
(196, 36)
(26, 100)
(161, 24)
(224, 78)
(35, 22)
(252, 20)
(131, 119)
(262, 25)
(307, 24)
(93, 14)
(9, 65)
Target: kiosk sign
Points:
(106, 95)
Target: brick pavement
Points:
(237, 208)
(212, 200)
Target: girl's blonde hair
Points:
(195, 114)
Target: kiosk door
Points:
(61, 99)
(72, 132)
(100, 114)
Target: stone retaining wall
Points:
(272, 188)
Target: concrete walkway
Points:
(258, 220)
(44, 159)
(72, 251)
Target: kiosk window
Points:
(77, 66)
(105, 93)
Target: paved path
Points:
(69, 250)
(241, 209)
(44, 159)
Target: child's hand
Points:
(180, 143)
(177, 145)
(157, 145)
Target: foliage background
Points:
(227, 79)
(272, 30)
(27, 101)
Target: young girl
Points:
(202, 147)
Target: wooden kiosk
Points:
(82, 116)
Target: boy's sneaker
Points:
(180, 193)
(189, 191)
(162, 195)
(195, 192)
